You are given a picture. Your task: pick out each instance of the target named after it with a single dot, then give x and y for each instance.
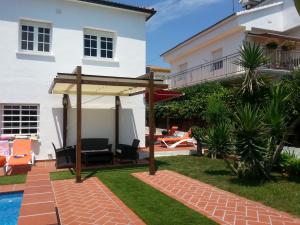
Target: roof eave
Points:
(148, 11)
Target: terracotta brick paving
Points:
(38, 205)
(91, 202)
(218, 205)
(11, 188)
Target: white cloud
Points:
(168, 10)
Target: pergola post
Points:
(65, 103)
(151, 124)
(79, 115)
(118, 103)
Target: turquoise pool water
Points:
(10, 204)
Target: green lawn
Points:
(282, 193)
(151, 205)
(15, 179)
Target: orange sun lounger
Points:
(22, 154)
(177, 140)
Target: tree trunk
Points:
(199, 147)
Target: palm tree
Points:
(252, 58)
(297, 4)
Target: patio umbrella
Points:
(163, 95)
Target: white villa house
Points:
(211, 53)
(40, 38)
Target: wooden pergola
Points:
(80, 84)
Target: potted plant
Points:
(164, 132)
(288, 45)
(272, 45)
(198, 133)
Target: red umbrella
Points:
(163, 95)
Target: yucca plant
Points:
(252, 58)
(275, 111)
(219, 140)
(251, 136)
(297, 5)
(276, 121)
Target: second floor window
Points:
(217, 60)
(35, 36)
(90, 45)
(27, 40)
(99, 44)
(181, 70)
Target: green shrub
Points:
(164, 132)
(216, 111)
(290, 164)
(293, 167)
(198, 132)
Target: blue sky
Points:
(177, 20)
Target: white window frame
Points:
(20, 108)
(100, 33)
(36, 25)
(218, 62)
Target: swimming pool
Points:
(10, 204)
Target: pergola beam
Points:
(109, 83)
(122, 82)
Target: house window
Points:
(35, 36)
(27, 37)
(43, 39)
(106, 47)
(90, 45)
(181, 71)
(19, 119)
(99, 44)
(217, 60)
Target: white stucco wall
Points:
(290, 15)
(27, 78)
(268, 18)
(229, 44)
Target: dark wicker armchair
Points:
(128, 152)
(65, 157)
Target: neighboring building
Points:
(40, 38)
(209, 55)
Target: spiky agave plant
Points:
(252, 58)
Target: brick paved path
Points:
(38, 206)
(221, 206)
(91, 202)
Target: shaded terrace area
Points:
(80, 84)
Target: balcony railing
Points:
(226, 67)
